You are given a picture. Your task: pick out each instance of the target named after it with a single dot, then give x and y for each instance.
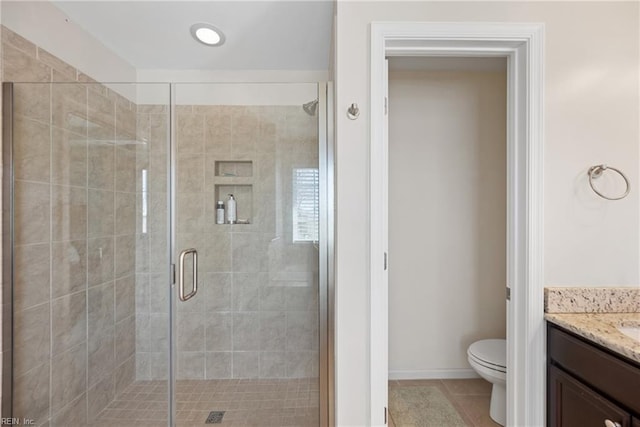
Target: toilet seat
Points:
(492, 354)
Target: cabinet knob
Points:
(609, 423)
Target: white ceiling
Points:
(260, 35)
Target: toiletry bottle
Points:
(231, 210)
(220, 212)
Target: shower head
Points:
(311, 107)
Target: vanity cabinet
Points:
(588, 385)
(574, 404)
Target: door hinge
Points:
(385, 260)
(386, 109)
(385, 415)
(508, 293)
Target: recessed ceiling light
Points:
(207, 34)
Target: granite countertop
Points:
(601, 329)
(596, 313)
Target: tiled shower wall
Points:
(74, 324)
(256, 311)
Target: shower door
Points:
(246, 299)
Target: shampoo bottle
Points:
(231, 210)
(220, 212)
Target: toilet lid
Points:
(490, 351)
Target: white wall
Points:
(447, 218)
(48, 27)
(591, 117)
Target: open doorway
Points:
(447, 203)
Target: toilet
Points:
(489, 359)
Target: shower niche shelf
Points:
(243, 193)
(235, 177)
(234, 168)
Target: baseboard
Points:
(433, 374)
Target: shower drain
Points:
(215, 417)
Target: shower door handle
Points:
(194, 290)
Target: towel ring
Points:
(596, 172)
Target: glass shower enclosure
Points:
(137, 293)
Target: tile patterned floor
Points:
(283, 403)
(470, 397)
(291, 402)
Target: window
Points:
(305, 205)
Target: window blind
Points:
(305, 204)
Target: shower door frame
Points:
(522, 45)
(7, 250)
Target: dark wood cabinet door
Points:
(635, 422)
(610, 375)
(572, 404)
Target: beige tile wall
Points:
(255, 315)
(74, 313)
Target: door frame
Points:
(522, 45)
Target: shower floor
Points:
(286, 402)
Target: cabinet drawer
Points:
(572, 404)
(617, 378)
